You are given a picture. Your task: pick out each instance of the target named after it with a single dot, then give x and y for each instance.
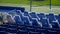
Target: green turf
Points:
(46, 2)
(26, 3)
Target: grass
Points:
(45, 9)
(42, 6)
(46, 2)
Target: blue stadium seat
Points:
(51, 17)
(55, 29)
(34, 32)
(58, 17)
(54, 24)
(41, 15)
(35, 23)
(3, 32)
(12, 26)
(12, 31)
(8, 16)
(51, 32)
(33, 15)
(18, 20)
(18, 12)
(42, 31)
(3, 25)
(3, 29)
(45, 23)
(21, 27)
(31, 29)
(22, 32)
(26, 14)
(26, 21)
(12, 12)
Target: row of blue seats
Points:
(46, 23)
(14, 28)
(37, 19)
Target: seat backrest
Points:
(42, 31)
(31, 29)
(45, 23)
(3, 29)
(3, 32)
(52, 32)
(26, 21)
(51, 17)
(12, 30)
(54, 24)
(35, 22)
(26, 14)
(41, 15)
(33, 32)
(18, 20)
(58, 18)
(22, 32)
(33, 15)
(4, 25)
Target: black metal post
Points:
(50, 5)
(30, 5)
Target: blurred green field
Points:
(38, 6)
(45, 9)
(46, 2)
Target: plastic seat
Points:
(57, 30)
(26, 14)
(41, 15)
(51, 32)
(22, 32)
(26, 21)
(42, 31)
(3, 29)
(33, 15)
(12, 30)
(58, 17)
(34, 32)
(12, 26)
(22, 10)
(21, 27)
(18, 12)
(31, 29)
(18, 20)
(51, 17)
(45, 23)
(3, 25)
(12, 12)
(54, 24)
(35, 23)
(20, 15)
(3, 32)
(8, 16)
